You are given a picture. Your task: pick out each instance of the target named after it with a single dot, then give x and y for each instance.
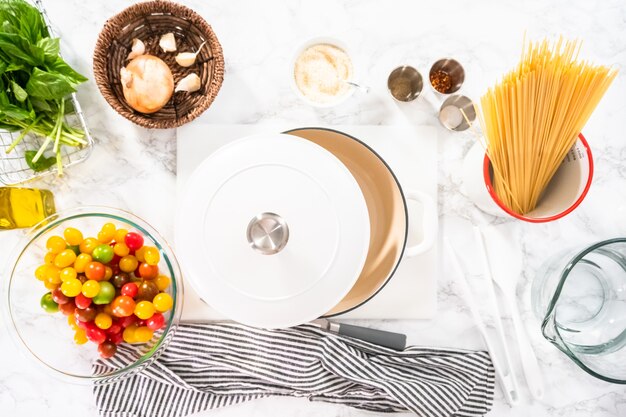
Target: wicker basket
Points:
(149, 21)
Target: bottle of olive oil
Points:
(24, 207)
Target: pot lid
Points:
(272, 230)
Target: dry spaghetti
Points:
(533, 117)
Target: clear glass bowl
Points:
(47, 338)
(579, 294)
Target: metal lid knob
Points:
(267, 233)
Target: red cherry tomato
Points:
(116, 338)
(86, 314)
(116, 327)
(156, 322)
(127, 321)
(96, 334)
(67, 308)
(114, 263)
(81, 301)
(85, 324)
(133, 240)
(95, 271)
(130, 289)
(123, 306)
(59, 297)
(107, 349)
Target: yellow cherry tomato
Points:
(90, 288)
(54, 280)
(107, 233)
(49, 258)
(51, 273)
(88, 245)
(139, 254)
(129, 334)
(40, 272)
(119, 235)
(81, 262)
(67, 274)
(72, 236)
(120, 249)
(108, 273)
(56, 244)
(128, 263)
(144, 310)
(103, 321)
(143, 334)
(162, 282)
(71, 288)
(163, 302)
(80, 338)
(151, 256)
(50, 286)
(71, 320)
(65, 258)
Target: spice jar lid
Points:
(272, 230)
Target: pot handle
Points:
(429, 223)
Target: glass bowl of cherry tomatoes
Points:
(93, 294)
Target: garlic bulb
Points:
(137, 48)
(168, 42)
(187, 59)
(147, 83)
(190, 83)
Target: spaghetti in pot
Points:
(533, 117)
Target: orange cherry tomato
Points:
(147, 271)
(123, 306)
(95, 271)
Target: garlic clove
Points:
(186, 59)
(190, 83)
(168, 42)
(137, 48)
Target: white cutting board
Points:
(410, 151)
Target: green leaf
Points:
(41, 164)
(14, 112)
(18, 16)
(19, 92)
(4, 97)
(40, 105)
(15, 67)
(20, 49)
(50, 47)
(61, 67)
(8, 27)
(48, 85)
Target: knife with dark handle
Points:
(390, 340)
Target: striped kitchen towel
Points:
(217, 364)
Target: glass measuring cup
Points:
(580, 296)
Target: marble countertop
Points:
(135, 169)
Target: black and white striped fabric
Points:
(213, 365)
